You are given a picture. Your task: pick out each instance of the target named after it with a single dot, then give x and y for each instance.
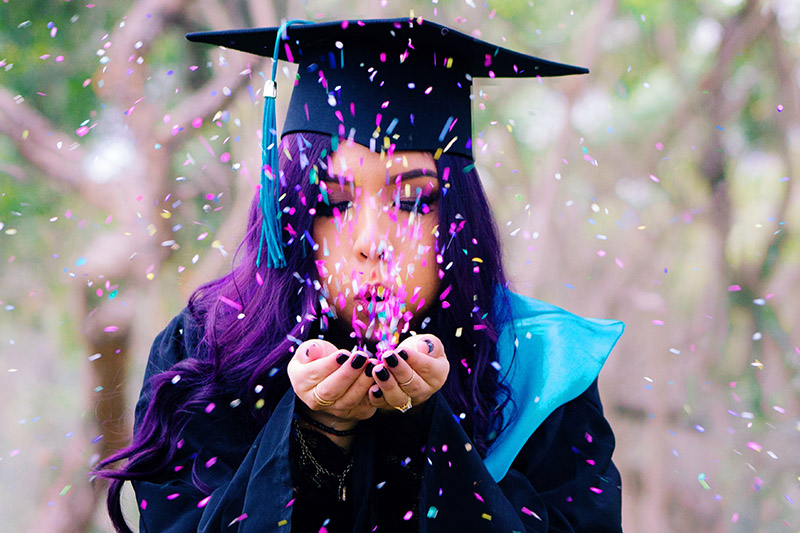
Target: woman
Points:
(375, 374)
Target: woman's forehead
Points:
(365, 167)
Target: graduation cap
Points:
(396, 84)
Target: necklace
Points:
(307, 458)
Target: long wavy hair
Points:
(253, 318)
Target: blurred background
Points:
(659, 190)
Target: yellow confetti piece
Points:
(477, 260)
(11, 231)
(437, 154)
(216, 244)
(166, 214)
(25, 134)
(509, 128)
(217, 116)
(468, 447)
(459, 331)
(283, 522)
(449, 62)
(454, 139)
(486, 516)
(758, 364)
(260, 403)
(151, 230)
(641, 227)
(150, 276)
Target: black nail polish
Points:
(391, 360)
(342, 357)
(378, 393)
(358, 361)
(382, 374)
(368, 370)
(430, 345)
(403, 355)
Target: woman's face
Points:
(375, 237)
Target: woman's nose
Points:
(370, 231)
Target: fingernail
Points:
(342, 357)
(425, 345)
(382, 374)
(358, 361)
(378, 393)
(368, 370)
(312, 350)
(403, 355)
(390, 360)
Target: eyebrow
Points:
(414, 173)
(405, 175)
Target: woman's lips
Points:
(376, 292)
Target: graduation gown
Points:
(550, 469)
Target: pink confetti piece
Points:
(210, 407)
(754, 446)
(780, 108)
(530, 513)
(231, 303)
(596, 490)
(655, 179)
(143, 505)
(225, 157)
(408, 516)
(202, 503)
(478, 496)
(173, 496)
(734, 288)
(110, 329)
(658, 322)
(197, 122)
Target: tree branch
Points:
(39, 142)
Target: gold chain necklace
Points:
(307, 458)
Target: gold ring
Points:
(407, 383)
(405, 407)
(320, 401)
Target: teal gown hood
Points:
(548, 357)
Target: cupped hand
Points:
(416, 369)
(338, 379)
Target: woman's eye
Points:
(326, 210)
(423, 204)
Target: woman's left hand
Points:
(413, 372)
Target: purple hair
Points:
(253, 319)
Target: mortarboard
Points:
(396, 84)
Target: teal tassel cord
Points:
(271, 242)
(271, 232)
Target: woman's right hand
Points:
(336, 376)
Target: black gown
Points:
(412, 471)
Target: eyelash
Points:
(326, 210)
